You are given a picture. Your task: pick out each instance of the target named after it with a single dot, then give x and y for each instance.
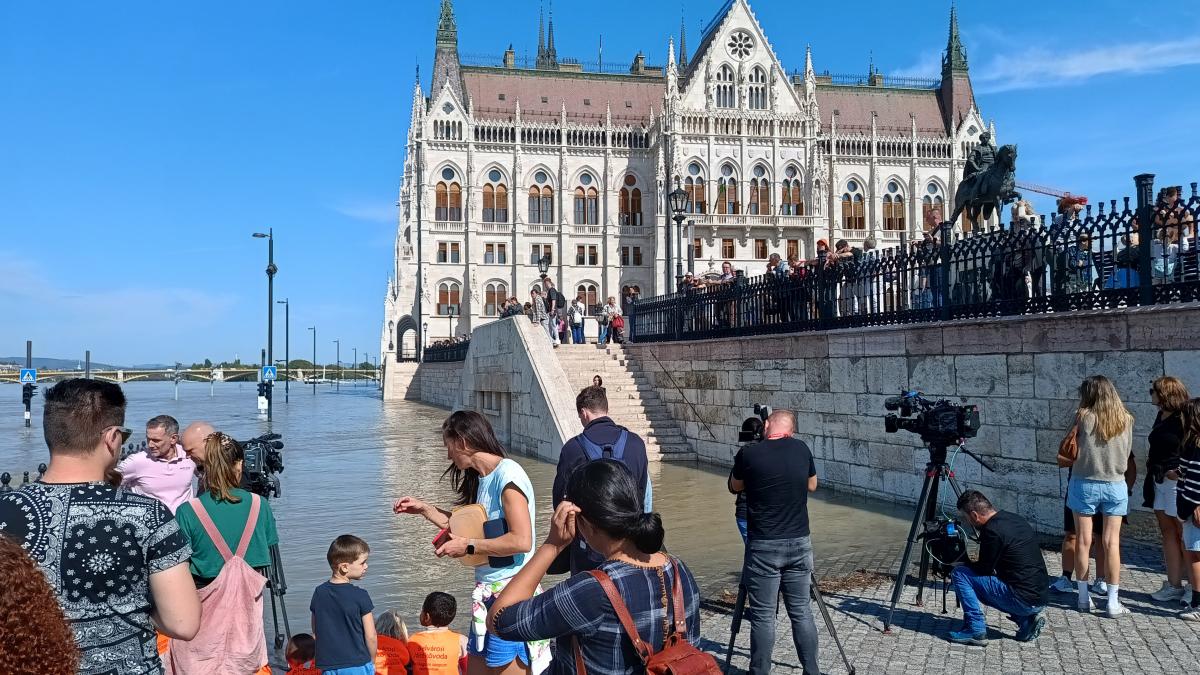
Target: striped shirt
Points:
(579, 608)
(1187, 495)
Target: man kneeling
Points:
(1010, 574)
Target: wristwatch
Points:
(470, 547)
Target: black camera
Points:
(939, 423)
(752, 428)
(262, 460)
(946, 543)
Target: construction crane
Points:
(1065, 198)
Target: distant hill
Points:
(58, 364)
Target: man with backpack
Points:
(602, 438)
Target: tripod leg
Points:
(816, 596)
(931, 506)
(739, 608)
(930, 478)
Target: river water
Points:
(348, 455)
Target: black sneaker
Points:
(1032, 628)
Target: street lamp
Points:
(424, 335)
(271, 270)
(287, 347)
(339, 363)
(543, 264)
(354, 367)
(451, 310)
(691, 244)
(314, 361)
(679, 204)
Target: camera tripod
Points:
(278, 587)
(937, 471)
(739, 609)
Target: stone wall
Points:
(433, 383)
(1023, 372)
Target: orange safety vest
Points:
(391, 656)
(305, 668)
(435, 652)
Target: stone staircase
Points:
(632, 401)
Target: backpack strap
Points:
(580, 666)
(251, 521)
(211, 528)
(677, 596)
(595, 451)
(614, 598)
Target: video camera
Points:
(939, 423)
(262, 460)
(752, 428)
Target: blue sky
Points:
(141, 143)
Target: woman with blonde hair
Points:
(1162, 476)
(1098, 487)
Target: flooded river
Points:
(348, 455)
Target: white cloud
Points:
(928, 65)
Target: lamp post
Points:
(287, 347)
(424, 336)
(691, 245)
(338, 342)
(314, 361)
(271, 270)
(679, 204)
(451, 310)
(354, 367)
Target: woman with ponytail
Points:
(605, 507)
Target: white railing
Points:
(495, 228)
(535, 228)
(635, 231)
(747, 220)
(446, 226)
(589, 230)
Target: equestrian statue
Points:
(989, 181)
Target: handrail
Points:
(685, 398)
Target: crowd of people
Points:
(158, 562)
(564, 323)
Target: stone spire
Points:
(541, 52)
(447, 32)
(446, 67)
(955, 59)
(810, 78)
(551, 53)
(683, 55)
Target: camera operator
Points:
(1009, 575)
(776, 475)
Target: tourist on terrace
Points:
(608, 312)
(481, 473)
(1188, 503)
(1162, 475)
(605, 507)
(1075, 271)
(575, 314)
(540, 316)
(1097, 487)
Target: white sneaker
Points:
(1190, 614)
(1100, 588)
(1168, 593)
(1088, 607)
(1116, 610)
(1063, 585)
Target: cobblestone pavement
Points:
(1149, 640)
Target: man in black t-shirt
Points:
(1009, 575)
(776, 475)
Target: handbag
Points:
(1068, 447)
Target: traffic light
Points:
(267, 386)
(262, 389)
(27, 392)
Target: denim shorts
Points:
(368, 669)
(1092, 497)
(1164, 497)
(1191, 536)
(499, 652)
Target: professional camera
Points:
(752, 428)
(262, 460)
(946, 543)
(939, 423)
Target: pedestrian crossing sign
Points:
(269, 373)
(29, 376)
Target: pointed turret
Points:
(541, 52)
(683, 55)
(551, 53)
(810, 77)
(955, 59)
(446, 71)
(418, 103)
(958, 97)
(672, 73)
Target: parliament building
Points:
(517, 164)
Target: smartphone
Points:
(442, 537)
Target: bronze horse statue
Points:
(990, 189)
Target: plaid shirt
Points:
(578, 608)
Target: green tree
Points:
(208, 363)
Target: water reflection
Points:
(348, 455)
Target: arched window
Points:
(440, 210)
(760, 192)
(726, 90)
(933, 207)
(790, 202)
(727, 193)
(455, 202)
(494, 295)
(629, 202)
(588, 294)
(893, 207)
(587, 202)
(495, 199)
(694, 186)
(541, 200)
(853, 217)
(758, 89)
(449, 293)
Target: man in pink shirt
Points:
(163, 470)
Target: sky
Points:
(143, 142)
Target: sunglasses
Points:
(126, 432)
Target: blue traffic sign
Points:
(29, 376)
(269, 373)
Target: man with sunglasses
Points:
(163, 470)
(115, 559)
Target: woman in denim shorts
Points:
(1097, 486)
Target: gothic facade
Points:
(511, 164)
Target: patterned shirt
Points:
(98, 546)
(578, 608)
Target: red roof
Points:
(892, 108)
(586, 95)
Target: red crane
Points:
(1065, 198)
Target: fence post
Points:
(943, 294)
(632, 319)
(1145, 221)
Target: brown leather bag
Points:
(678, 656)
(1068, 447)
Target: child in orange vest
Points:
(391, 656)
(301, 650)
(437, 650)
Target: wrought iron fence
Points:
(1034, 266)
(447, 352)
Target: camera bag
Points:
(1068, 447)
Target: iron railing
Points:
(1035, 266)
(447, 352)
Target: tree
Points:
(298, 364)
(208, 363)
